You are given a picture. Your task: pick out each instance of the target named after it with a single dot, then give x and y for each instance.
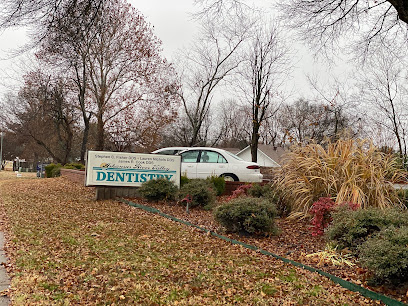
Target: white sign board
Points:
(130, 169)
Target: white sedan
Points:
(170, 150)
(202, 162)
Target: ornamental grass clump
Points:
(352, 171)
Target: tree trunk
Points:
(254, 142)
(81, 81)
(84, 141)
(100, 138)
(402, 8)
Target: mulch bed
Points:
(294, 242)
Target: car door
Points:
(211, 163)
(189, 163)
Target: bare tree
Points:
(304, 120)
(234, 124)
(46, 12)
(340, 107)
(383, 87)
(66, 46)
(206, 65)
(43, 112)
(271, 132)
(264, 68)
(324, 22)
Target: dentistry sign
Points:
(130, 169)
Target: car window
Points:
(212, 157)
(167, 152)
(189, 156)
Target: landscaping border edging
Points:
(345, 284)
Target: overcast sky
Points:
(173, 24)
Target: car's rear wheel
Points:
(229, 177)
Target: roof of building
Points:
(232, 150)
(274, 153)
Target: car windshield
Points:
(234, 156)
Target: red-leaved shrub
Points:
(321, 211)
(239, 192)
(321, 215)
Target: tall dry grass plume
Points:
(348, 170)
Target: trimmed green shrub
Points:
(219, 184)
(159, 189)
(247, 215)
(53, 170)
(183, 180)
(48, 169)
(201, 192)
(258, 190)
(56, 171)
(67, 166)
(78, 166)
(351, 228)
(386, 255)
(275, 195)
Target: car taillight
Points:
(253, 167)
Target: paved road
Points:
(4, 279)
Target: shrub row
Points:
(196, 192)
(350, 228)
(252, 210)
(54, 170)
(379, 238)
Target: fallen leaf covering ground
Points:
(66, 248)
(294, 242)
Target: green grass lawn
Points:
(67, 248)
